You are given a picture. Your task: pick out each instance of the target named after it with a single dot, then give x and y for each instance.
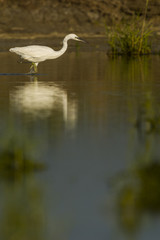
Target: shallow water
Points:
(79, 148)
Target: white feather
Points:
(37, 53)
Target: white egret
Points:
(36, 53)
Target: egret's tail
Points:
(13, 49)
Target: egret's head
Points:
(75, 37)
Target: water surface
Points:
(79, 145)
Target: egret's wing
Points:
(33, 50)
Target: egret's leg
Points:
(21, 60)
(33, 68)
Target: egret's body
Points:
(36, 53)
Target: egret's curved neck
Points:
(64, 48)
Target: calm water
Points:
(79, 148)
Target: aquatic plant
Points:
(130, 38)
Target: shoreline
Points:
(96, 42)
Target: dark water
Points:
(79, 148)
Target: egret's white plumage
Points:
(37, 53)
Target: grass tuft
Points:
(130, 38)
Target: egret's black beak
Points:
(80, 39)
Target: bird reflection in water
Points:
(41, 99)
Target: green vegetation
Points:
(130, 38)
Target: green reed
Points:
(130, 38)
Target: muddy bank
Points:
(58, 17)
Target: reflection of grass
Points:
(139, 194)
(143, 192)
(16, 155)
(130, 38)
(148, 116)
(17, 161)
(22, 217)
(14, 163)
(138, 190)
(149, 192)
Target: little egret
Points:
(36, 53)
